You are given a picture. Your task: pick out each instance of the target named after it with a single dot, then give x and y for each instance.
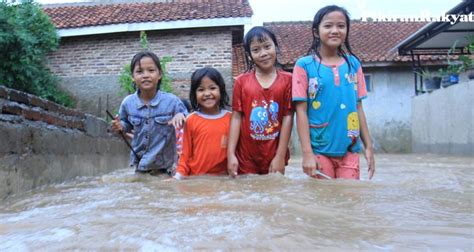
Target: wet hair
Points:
(318, 18)
(215, 76)
(260, 34)
(187, 104)
(139, 56)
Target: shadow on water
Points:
(415, 202)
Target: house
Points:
(443, 120)
(99, 39)
(389, 76)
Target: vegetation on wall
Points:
(126, 80)
(27, 35)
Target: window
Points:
(368, 82)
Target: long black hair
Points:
(215, 76)
(314, 49)
(260, 34)
(139, 56)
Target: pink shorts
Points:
(346, 167)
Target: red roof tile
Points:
(238, 60)
(371, 42)
(172, 10)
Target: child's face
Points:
(333, 29)
(146, 75)
(208, 96)
(263, 53)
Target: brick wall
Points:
(25, 106)
(89, 66)
(44, 143)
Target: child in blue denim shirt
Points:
(152, 115)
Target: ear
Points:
(315, 33)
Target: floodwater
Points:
(414, 202)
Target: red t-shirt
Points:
(262, 115)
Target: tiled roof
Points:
(370, 41)
(172, 10)
(238, 60)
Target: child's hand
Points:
(277, 165)
(116, 125)
(309, 164)
(178, 120)
(232, 165)
(369, 156)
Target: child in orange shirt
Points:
(206, 130)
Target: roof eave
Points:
(147, 26)
(430, 30)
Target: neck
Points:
(212, 111)
(265, 72)
(147, 95)
(327, 52)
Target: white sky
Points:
(303, 10)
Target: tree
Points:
(27, 35)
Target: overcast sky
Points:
(302, 10)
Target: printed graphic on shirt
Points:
(313, 87)
(264, 120)
(353, 125)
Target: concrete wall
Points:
(44, 143)
(388, 108)
(89, 66)
(442, 121)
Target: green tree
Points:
(27, 35)
(126, 80)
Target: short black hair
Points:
(261, 34)
(215, 76)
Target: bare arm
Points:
(278, 162)
(365, 137)
(234, 133)
(302, 126)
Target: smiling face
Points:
(333, 29)
(208, 96)
(146, 75)
(263, 53)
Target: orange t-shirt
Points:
(205, 144)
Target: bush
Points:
(27, 35)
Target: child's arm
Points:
(120, 123)
(180, 114)
(234, 133)
(365, 137)
(278, 162)
(302, 126)
(183, 169)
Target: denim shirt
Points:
(154, 140)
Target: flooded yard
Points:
(414, 202)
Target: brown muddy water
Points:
(414, 202)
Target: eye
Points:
(254, 50)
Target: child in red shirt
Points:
(206, 130)
(262, 116)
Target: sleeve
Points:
(237, 95)
(180, 107)
(187, 153)
(299, 85)
(361, 86)
(123, 115)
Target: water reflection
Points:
(416, 202)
